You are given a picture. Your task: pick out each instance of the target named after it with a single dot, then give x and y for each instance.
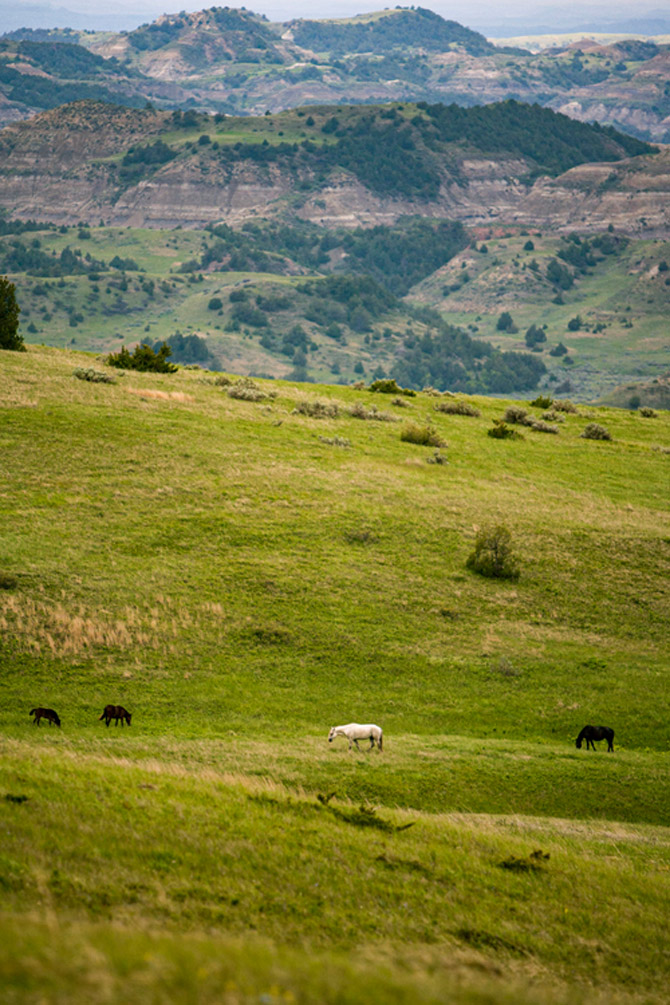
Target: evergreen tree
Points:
(9, 317)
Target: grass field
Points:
(240, 578)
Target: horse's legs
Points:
(357, 747)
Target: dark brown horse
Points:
(115, 712)
(591, 733)
(45, 713)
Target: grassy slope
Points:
(240, 585)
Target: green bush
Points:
(540, 426)
(317, 409)
(387, 385)
(215, 304)
(565, 406)
(542, 401)
(594, 431)
(648, 413)
(359, 411)
(493, 554)
(95, 376)
(506, 323)
(515, 414)
(143, 358)
(246, 389)
(457, 407)
(425, 436)
(501, 431)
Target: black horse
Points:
(591, 733)
(45, 713)
(115, 712)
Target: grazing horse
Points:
(115, 712)
(355, 732)
(45, 713)
(591, 733)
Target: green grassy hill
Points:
(241, 575)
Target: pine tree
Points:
(9, 317)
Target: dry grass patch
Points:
(154, 395)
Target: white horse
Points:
(355, 732)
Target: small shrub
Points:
(493, 554)
(552, 416)
(539, 426)
(425, 436)
(432, 392)
(457, 407)
(565, 406)
(594, 431)
(388, 386)
(7, 581)
(542, 401)
(215, 304)
(648, 413)
(246, 389)
(317, 409)
(335, 441)
(515, 414)
(501, 431)
(359, 411)
(95, 376)
(362, 535)
(535, 862)
(437, 458)
(400, 403)
(223, 381)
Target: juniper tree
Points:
(9, 317)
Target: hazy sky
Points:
(474, 13)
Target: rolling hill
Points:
(244, 564)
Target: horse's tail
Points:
(33, 711)
(103, 716)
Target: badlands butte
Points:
(334, 166)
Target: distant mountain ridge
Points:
(237, 62)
